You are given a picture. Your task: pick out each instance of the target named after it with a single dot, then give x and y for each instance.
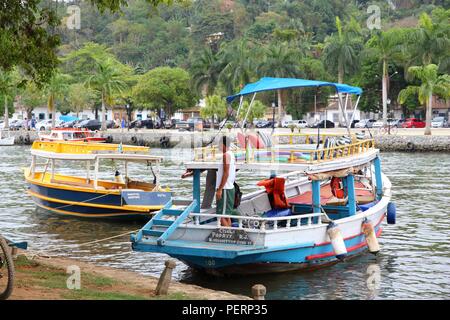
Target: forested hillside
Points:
(220, 45)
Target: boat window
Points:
(66, 135)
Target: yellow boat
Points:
(93, 195)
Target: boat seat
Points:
(71, 183)
(261, 203)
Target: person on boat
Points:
(225, 182)
(210, 186)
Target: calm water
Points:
(414, 262)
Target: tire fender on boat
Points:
(134, 139)
(109, 139)
(391, 213)
(337, 241)
(371, 238)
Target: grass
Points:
(35, 276)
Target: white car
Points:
(439, 122)
(365, 123)
(378, 124)
(46, 125)
(298, 123)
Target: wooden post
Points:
(164, 280)
(258, 292)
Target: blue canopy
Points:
(267, 84)
(67, 118)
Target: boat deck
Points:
(326, 196)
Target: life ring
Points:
(336, 188)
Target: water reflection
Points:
(414, 261)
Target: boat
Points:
(6, 141)
(95, 195)
(323, 201)
(71, 135)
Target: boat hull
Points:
(302, 259)
(87, 204)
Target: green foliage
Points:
(164, 87)
(25, 41)
(215, 108)
(256, 112)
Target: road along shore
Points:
(406, 140)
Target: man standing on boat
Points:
(225, 182)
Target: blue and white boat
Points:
(335, 201)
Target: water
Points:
(414, 262)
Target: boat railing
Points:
(303, 138)
(261, 223)
(289, 155)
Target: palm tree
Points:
(387, 46)
(431, 84)
(279, 61)
(238, 65)
(107, 80)
(205, 71)
(215, 107)
(341, 52)
(55, 90)
(430, 41)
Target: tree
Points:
(55, 89)
(215, 108)
(108, 81)
(430, 41)
(164, 87)
(341, 52)
(205, 71)
(31, 97)
(431, 84)
(239, 66)
(79, 98)
(8, 85)
(279, 61)
(25, 41)
(388, 47)
(256, 112)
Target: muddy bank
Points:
(46, 278)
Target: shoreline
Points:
(45, 278)
(407, 140)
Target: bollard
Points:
(258, 292)
(166, 276)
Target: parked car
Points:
(171, 124)
(264, 124)
(89, 124)
(147, 123)
(413, 123)
(71, 124)
(353, 124)
(46, 125)
(395, 122)
(17, 124)
(190, 124)
(323, 124)
(439, 122)
(297, 123)
(365, 123)
(111, 124)
(378, 124)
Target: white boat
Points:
(325, 204)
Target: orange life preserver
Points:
(275, 190)
(336, 188)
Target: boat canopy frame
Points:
(270, 84)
